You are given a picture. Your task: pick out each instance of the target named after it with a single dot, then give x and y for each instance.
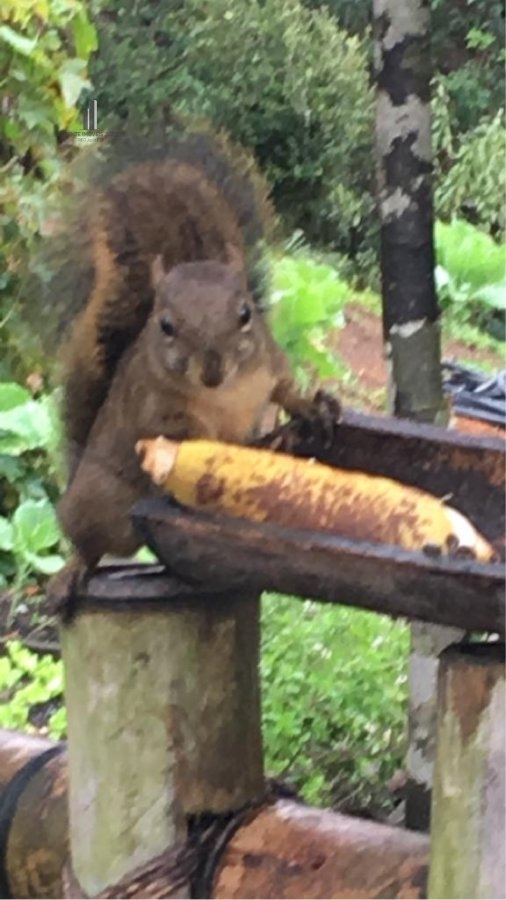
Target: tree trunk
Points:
(404, 162)
(410, 309)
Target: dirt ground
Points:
(360, 346)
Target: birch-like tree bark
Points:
(404, 162)
(410, 309)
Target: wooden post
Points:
(163, 721)
(427, 642)
(468, 804)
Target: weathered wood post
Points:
(163, 707)
(410, 307)
(468, 804)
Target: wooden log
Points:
(33, 816)
(282, 850)
(16, 750)
(163, 721)
(289, 850)
(468, 803)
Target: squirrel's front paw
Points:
(319, 419)
(65, 587)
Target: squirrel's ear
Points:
(235, 260)
(157, 271)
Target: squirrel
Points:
(173, 339)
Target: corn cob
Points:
(261, 485)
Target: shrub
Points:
(29, 485)
(30, 682)
(284, 81)
(43, 52)
(471, 276)
(475, 183)
(334, 700)
(308, 299)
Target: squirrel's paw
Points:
(319, 419)
(65, 587)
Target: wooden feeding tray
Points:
(215, 553)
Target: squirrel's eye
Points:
(167, 327)
(244, 315)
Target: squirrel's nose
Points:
(212, 370)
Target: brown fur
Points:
(165, 208)
(173, 340)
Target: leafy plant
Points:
(44, 47)
(307, 300)
(471, 273)
(27, 682)
(29, 535)
(334, 699)
(473, 177)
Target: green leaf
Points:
(72, 82)
(25, 427)
(323, 361)
(17, 41)
(22, 658)
(85, 35)
(493, 295)
(35, 526)
(145, 555)
(12, 395)
(6, 534)
(58, 723)
(34, 113)
(46, 565)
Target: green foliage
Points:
(470, 275)
(29, 535)
(308, 298)
(32, 532)
(44, 47)
(334, 699)
(283, 81)
(467, 48)
(43, 51)
(476, 178)
(28, 681)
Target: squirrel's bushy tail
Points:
(189, 196)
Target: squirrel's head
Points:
(205, 326)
